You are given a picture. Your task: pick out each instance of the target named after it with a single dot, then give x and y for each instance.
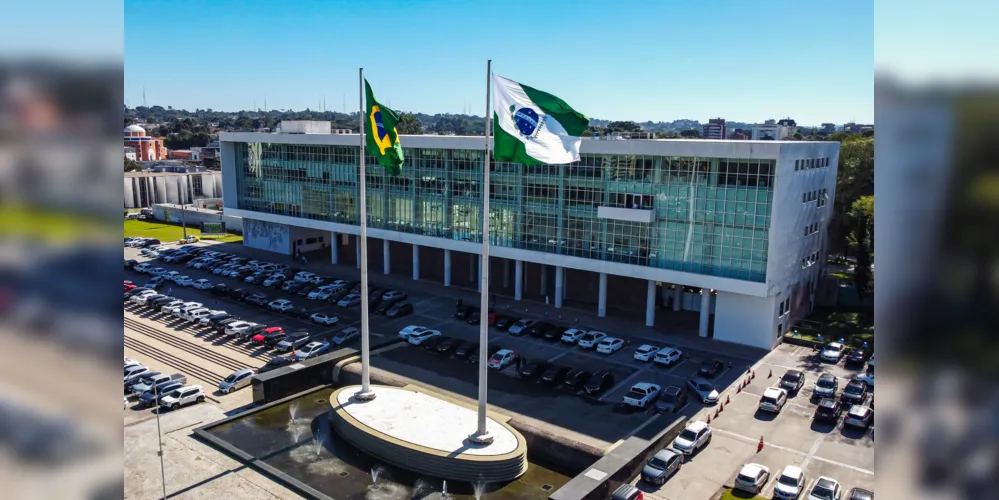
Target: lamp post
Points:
(159, 441)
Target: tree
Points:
(691, 133)
(798, 136)
(854, 180)
(839, 136)
(867, 133)
(624, 126)
(862, 225)
(131, 165)
(409, 125)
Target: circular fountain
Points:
(427, 435)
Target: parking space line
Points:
(767, 491)
(813, 450)
(748, 439)
(557, 356)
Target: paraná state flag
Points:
(532, 127)
(382, 140)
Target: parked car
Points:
(704, 390)
(773, 400)
(662, 466)
(859, 416)
(410, 330)
(156, 283)
(431, 343)
(275, 363)
(710, 368)
(752, 478)
(521, 326)
(503, 321)
(572, 335)
(292, 341)
(645, 352)
(554, 375)
(860, 494)
(345, 336)
(252, 331)
(666, 356)
(790, 483)
(221, 290)
(463, 312)
(599, 382)
(693, 437)
(575, 379)
(181, 397)
(448, 345)
(610, 345)
(324, 319)
(311, 350)
(184, 281)
(641, 395)
(825, 488)
(540, 328)
(825, 387)
(792, 381)
(269, 336)
(393, 295)
(627, 492)
(855, 392)
(476, 317)
(465, 350)
(420, 337)
(237, 327)
(490, 350)
(238, 294)
(828, 410)
(832, 352)
(281, 305)
(855, 357)
(671, 400)
(351, 300)
(399, 310)
(591, 339)
(258, 299)
(151, 396)
(532, 368)
(151, 380)
(235, 381)
(222, 325)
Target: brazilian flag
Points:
(382, 138)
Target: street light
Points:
(159, 441)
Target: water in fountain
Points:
(479, 489)
(293, 411)
(318, 438)
(421, 488)
(376, 470)
(444, 489)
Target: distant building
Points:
(185, 154)
(147, 188)
(829, 128)
(146, 148)
(852, 128)
(741, 135)
(130, 153)
(790, 125)
(714, 129)
(769, 132)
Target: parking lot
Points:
(790, 437)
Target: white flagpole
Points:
(481, 435)
(365, 393)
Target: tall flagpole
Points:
(481, 435)
(365, 393)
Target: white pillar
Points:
(559, 281)
(544, 279)
(602, 298)
(334, 250)
(386, 258)
(478, 274)
(705, 312)
(357, 248)
(416, 262)
(447, 268)
(677, 297)
(650, 305)
(518, 280)
(565, 291)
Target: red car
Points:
(129, 285)
(273, 331)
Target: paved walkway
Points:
(674, 328)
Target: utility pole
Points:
(159, 441)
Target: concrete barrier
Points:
(623, 462)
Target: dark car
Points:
(184, 258)
(533, 368)
(130, 263)
(254, 279)
(792, 381)
(476, 317)
(216, 318)
(855, 392)
(238, 294)
(710, 368)
(448, 345)
(855, 357)
(466, 350)
(599, 382)
(575, 379)
(432, 343)
(276, 363)
(860, 494)
(671, 400)
(252, 331)
(463, 312)
(504, 321)
(158, 302)
(539, 329)
(555, 334)
(554, 375)
(490, 350)
(336, 296)
(384, 307)
(221, 289)
(399, 310)
(292, 286)
(220, 326)
(828, 410)
(244, 273)
(257, 299)
(276, 281)
(273, 337)
(135, 291)
(375, 297)
(148, 398)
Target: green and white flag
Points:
(532, 127)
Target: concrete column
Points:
(416, 262)
(677, 297)
(602, 298)
(559, 281)
(650, 305)
(518, 280)
(544, 279)
(506, 274)
(478, 272)
(334, 249)
(386, 257)
(357, 249)
(447, 268)
(565, 290)
(702, 329)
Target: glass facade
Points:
(711, 214)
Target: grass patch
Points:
(855, 327)
(50, 226)
(168, 232)
(739, 495)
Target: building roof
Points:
(135, 128)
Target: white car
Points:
(168, 307)
(273, 280)
(641, 395)
(610, 345)
(572, 335)
(171, 275)
(321, 293)
(142, 267)
(645, 352)
(696, 435)
(202, 284)
(237, 327)
(832, 352)
(867, 377)
(752, 478)
(350, 300)
(183, 396)
(157, 271)
(591, 339)
(405, 333)
(418, 338)
(790, 483)
(500, 359)
(282, 305)
(826, 488)
(310, 350)
(184, 281)
(186, 306)
(204, 321)
(667, 356)
(393, 295)
(198, 314)
(773, 400)
(140, 298)
(324, 319)
(305, 276)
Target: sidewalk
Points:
(678, 329)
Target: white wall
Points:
(744, 319)
(303, 233)
(267, 236)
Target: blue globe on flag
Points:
(526, 120)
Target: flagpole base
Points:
(484, 438)
(365, 396)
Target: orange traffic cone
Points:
(709, 418)
(771, 374)
(721, 407)
(727, 400)
(753, 376)
(739, 388)
(716, 412)
(759, 447)
(749, 370)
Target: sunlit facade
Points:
(692, 213)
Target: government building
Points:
(732, 231)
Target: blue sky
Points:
(742, 61)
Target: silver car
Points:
(236, 381)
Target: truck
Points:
(641, 395)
